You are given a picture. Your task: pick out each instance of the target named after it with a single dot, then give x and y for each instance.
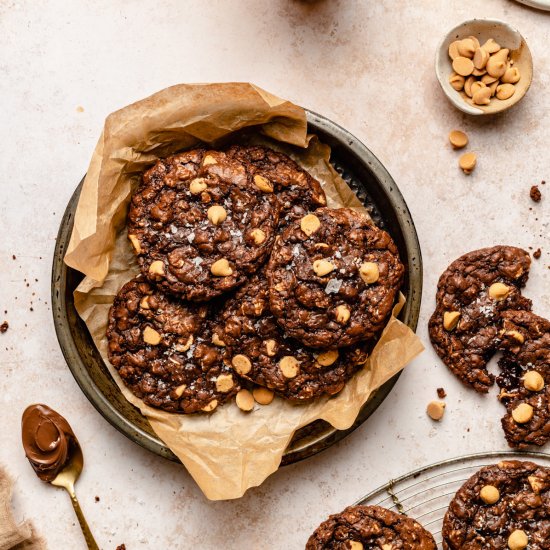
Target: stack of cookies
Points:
(480, 310)
(250, 286)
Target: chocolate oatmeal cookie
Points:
(199, 224)
(525, 378)
(370, 527)
(260, 352)
(333, 278)
(162, 349)
(297, 190)
(503, 506)
(471, 295)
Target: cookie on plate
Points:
(162, 350)
(261, 353)
(199, 224)
(370, 527)
(471, 295)
(502, 506)
(525, 378)
(297, 190)
(333, 278)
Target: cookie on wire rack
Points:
(370, 527)
(502, 506)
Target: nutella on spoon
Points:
(48, 440)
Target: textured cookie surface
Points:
(297, 190)
(200, 225)
(515, 498)
(471, 294)
(261, 353)
(525, 378)
(162, 349)
(370, 528)
(333, 278)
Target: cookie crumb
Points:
(537, 253)
(441, 393)
(4, 327)
(535, 193)
(121, 547)
(97, 499)
(80, 109)
(13, 257)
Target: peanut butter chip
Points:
(263, 184)
(511, 76)
(221, 268)
(457, 81)
(179, 390)
(258, 235)
(289, 366)
(209, 159)
(481, 56)
(496, 67)
(184, 347)
(263, 396)
(309, 224)
(468, 85)
(151, 336)
(522, 413)
(463, 66)
(489, 494)
(458, 139)
(327, 358)
(491, 46)
(476, 86)
(156, 268)
(144, 303)
(467, 47)
(323, 267)
(436, 410)
(224, 383)
(270, 347)
(516, 335)
(198, 185)
(211, 406)
(135, 243)
(481, 96)
(453, 49)
(499, 291)
(387, 547)
(450, 320)
(518, 540)
(342, 314)
(216, 214)
(533, 381)
(505, 91)
(244, 400)
(467, 162)
(369, 272)
(355, 545)
(536, 484)
(241, 363)
(217, 341)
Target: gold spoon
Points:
(66, 478)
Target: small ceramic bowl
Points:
(483, 29)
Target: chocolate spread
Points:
(48, 440)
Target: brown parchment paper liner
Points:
(229, 451)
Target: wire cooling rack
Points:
(425, 494)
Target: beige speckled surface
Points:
(368, 66)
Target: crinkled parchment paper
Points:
(229, 451)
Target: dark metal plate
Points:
(375, 188)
